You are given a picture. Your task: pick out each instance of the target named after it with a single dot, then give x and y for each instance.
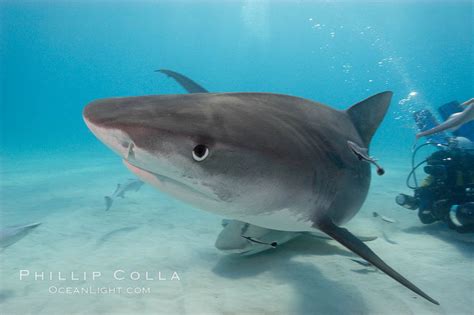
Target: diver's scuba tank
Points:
(462, 215)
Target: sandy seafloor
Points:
(148, 231)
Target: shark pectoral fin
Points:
(348, 240)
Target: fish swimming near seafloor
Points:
(247, 239)
(361, 262)
(132, 184)
(454, 121)
(12, 234)
(383, 218)
(275, 161)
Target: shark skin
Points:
(233, 239)
(275, 161)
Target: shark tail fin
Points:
(108, 202)
(348, 240)
(368, 114)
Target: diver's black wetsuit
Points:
(450, 182)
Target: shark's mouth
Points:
(166, 183)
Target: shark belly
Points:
(282, 220)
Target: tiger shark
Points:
(275, 161)
(243, 238)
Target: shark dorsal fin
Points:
(368, 114)
(189, 85)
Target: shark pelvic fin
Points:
(348, 240)
(368, 114)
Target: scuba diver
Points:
(447, 192)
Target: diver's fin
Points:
(368, 114)
(108, 202)
(351, 242)
(188, 84)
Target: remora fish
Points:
(454, 121)
(130, 185)
(275, 161)
(234, 238)
(12, 234)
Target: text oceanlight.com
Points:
(64, 281)
(98, 290)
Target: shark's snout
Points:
(99, 112)
(100, 117)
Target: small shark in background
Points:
(11, 234)
(454, 121)
(131, 184)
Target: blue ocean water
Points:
(55, 57)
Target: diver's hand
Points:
(468, 102)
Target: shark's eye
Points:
(200, 152)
